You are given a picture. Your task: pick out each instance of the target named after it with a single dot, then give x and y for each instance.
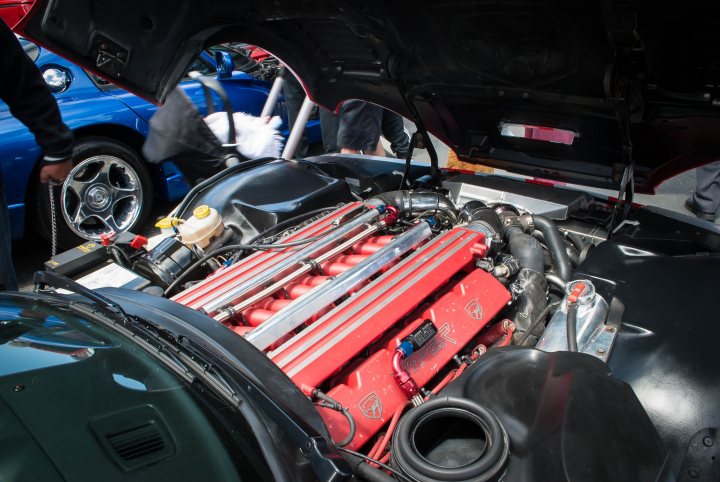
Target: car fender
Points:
(80, 109)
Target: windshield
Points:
(123, 410)
(32, 50)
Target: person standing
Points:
(705, 201)
(23, 89)
(360, 125)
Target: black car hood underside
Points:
(590, 67)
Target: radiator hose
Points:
(530, 281)
(526, 249)
(414, 203)
(556, 246)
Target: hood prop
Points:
(420, 138)
(626, 191)
(621, 26)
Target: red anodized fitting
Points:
(392, 215)
(403, 378)
(496, 331)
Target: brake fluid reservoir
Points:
(204, 225)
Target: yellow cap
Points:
(167, 222)
(201, 211)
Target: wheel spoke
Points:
(80, 215)
(130, 189)
(108, 219)
(103, 174)
(118, 196)
(77, 187)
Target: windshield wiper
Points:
(42, 279)
(187, 361)
(154, 340)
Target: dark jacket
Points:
(23, 89)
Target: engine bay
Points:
(382, 304)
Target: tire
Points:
(115, 188)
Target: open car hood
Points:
(626, 79)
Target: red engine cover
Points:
(368, 388)
(346, 350)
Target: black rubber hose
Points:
(572, 327)
(413, 203)
(531, 301)
(576, 240)
(574, 255)
(371, 474)
(556, 246)
(526, 249)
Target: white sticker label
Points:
(112, 275)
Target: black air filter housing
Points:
(566, 417)
(256, 199)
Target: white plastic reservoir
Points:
(204, 225)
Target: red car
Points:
(12, 11)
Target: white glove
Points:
(255, 138)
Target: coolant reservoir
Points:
(204, 225)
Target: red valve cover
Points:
(346, 350)
(367, 387)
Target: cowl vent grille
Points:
(137, 441)
(134, 438)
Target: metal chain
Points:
(53, 219)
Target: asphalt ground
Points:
(29, 254)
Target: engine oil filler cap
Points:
(201, 211)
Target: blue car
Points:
(110, 126)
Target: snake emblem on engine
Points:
(371, 405)
(474, 309)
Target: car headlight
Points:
(58, 80)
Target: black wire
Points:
(233, 247)
(290, 221)
(242, 247)
(408, 161)
(352, 428)
(537, 321)
(377, 462)
(572, 327)
(333, 404)
(120, 256)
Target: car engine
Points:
(369, 312)
(463, 328)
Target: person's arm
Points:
(23, 89)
